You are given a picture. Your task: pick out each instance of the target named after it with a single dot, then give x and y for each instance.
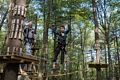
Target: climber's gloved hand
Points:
(53, 27)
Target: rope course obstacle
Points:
(14, 53)
(98, 66)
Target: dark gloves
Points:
(54, 28)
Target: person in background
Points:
(29, 37)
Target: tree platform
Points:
(18, 59)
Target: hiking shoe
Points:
(65, 67)
(54, 64)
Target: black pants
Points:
(59, 49)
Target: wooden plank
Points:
(13, 51)
(16, 31)
(12, 31)
(27, 58)
(59, 75)
(19, 9)
(15, 10)
(4, 57)
(22, 10)
(17, 59)
(98, 65)
(25, 12)
(20, 52)
(17, 27)
(8, 50)
(20, 34)
(10, 7)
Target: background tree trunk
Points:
(45, 38)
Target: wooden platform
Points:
(18, 59)
(98, 65)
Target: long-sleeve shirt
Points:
(29, 35)
(61, 36)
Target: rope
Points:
(63, 74)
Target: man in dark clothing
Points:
(61, 43)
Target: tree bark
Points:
(11, 71)
(13, 42)
(97, 45)
(96, 32)
(118, 57)
(45, 38)
(109, 55)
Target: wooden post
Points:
(13, 43)
(98, 66)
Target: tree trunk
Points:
(106, 70)
(109, 55)
(17, 13)
(97, 45)
(70, 44)
(96, 32)
(45, 39)
(11, 71)
(116, 71)
(82, 51)
(15, 27)
(84, 58)
(118, 57)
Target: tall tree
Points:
(97, 44)
(17, 13)
(45, 35)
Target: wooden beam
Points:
(17, 59)
(98, 65)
